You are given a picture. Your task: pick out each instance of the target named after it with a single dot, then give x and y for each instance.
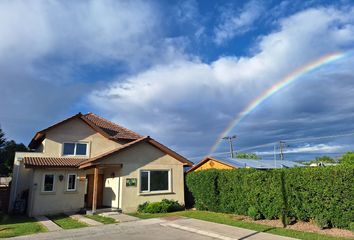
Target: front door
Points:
(89, 194)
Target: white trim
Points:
(75, 155)
(67, 182)
(155, 191)
(43, 181)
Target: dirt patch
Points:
(300, 226)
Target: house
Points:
(86, 161)
(234, 163)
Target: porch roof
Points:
(52, 162)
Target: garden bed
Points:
(300, 226)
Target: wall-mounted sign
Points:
(131, 182)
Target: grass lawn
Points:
(101, 219)
(229, 220)
(15, 225)
(66, 222)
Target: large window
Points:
(154, 180)
(71, 182)
(48, 183)
(75, 149)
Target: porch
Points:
(103, 188)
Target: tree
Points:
(347, 158)
(7, 154)
(2, 138)
(247, 156)
(324, 159)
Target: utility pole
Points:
(281, 147)
(230, 138)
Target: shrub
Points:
(323, 194)
(160, 207)
(254, 213)
(351, 226)
(322, 221)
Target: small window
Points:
(144, 181)
(155, 181)
(71, 182)
(81, 148)
(48, 183)
(69, 149)
(75, 149)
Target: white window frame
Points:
(87, 149)
(67, 182)
(43, 183)
(157, 191)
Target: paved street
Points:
(158, 229)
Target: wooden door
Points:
(89, 194)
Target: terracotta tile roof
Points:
(114, 130)
(107, 128)
(52, 162)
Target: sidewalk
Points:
(220, 231)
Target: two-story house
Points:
(86, 161)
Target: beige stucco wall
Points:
(144, 156)
(60, 200)
(22, 177)
(76, 130)
(111, 187)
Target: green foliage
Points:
(247, 156)
(66, 222)
(7, 154)
(101, 219)
(323, 194)
(2, 138)
(324, 159)
(160, 207)
(347, 158)
(254, 213)
(17, 225)
(351, 226)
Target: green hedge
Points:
(325, 195)
(160, 207)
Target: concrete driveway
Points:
(158, 229)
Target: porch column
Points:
(94, 195)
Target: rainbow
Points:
(292, 77)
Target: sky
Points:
(181, 71)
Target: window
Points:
(75, 149)
(48, 183)
(154, 180)
(71, 182)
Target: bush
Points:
(351, 226)
(160, 207)
(322, 221)
(254, 213)
(325, 195)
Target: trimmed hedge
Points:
(325, 195)
(160, 207)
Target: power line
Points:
(319, 138)
(230, 138)
(287, 140)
